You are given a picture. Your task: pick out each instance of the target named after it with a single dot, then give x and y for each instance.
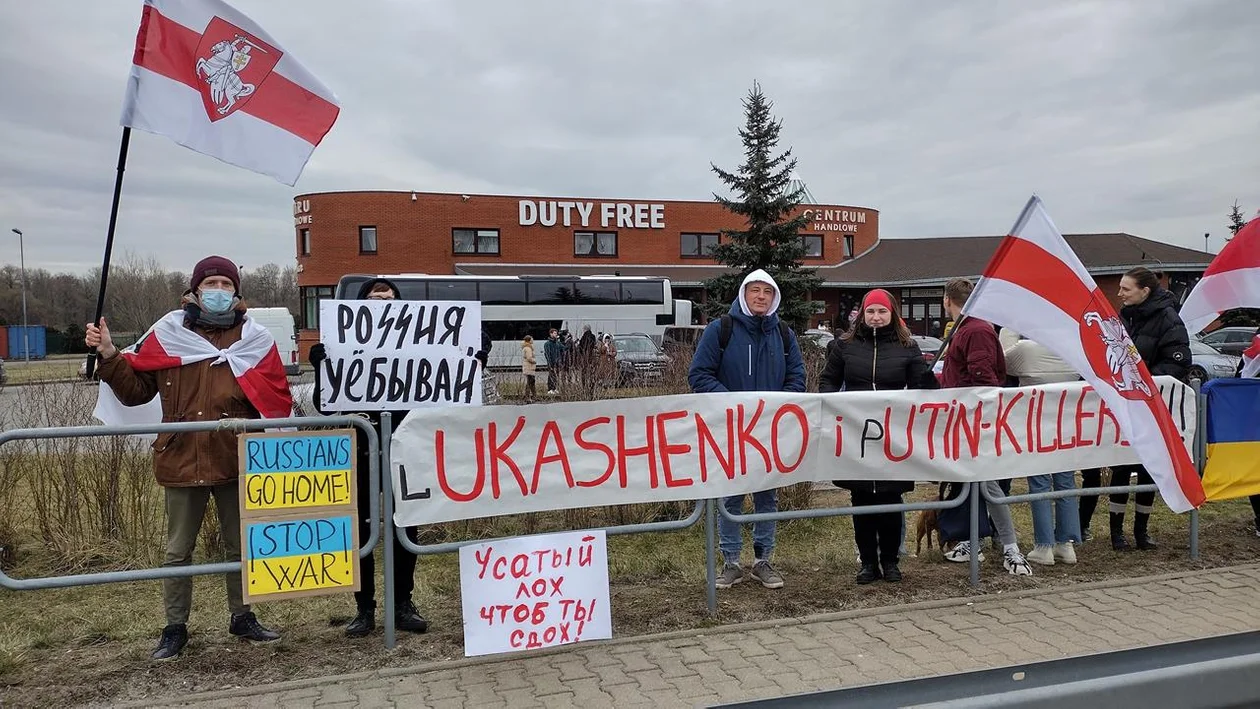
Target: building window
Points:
(848, 246)
(698, 245)
(813, 245)
(311, 295)
(475, 241)
(304, 242)
(595, 243)
(367, 239)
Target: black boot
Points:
(409, 619)
(1118, 542)
(174, 638)
(364, 622)
(868, 574)
(892, 574)
(246, 627)
(1141, 539)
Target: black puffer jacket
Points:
(875, 361)
(1159, 335)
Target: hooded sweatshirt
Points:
(754, 358)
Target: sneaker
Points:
(1087, 535)
(1064, 553)
(552, 392)
(246, 627)
(363, 624)
(1042, 554)
(961, 553)
(731, 575)
(892, 574)
(174, 638)
(1015, 564)
(765, 573)
(407, 618)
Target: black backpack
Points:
(724, 337)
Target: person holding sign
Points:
(406, 616)
(749, 350)
(877, 354)
(180, 362)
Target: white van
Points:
(279, 321)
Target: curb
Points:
(441, 665)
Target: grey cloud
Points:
(1122, 114)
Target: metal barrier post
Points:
(387, 484)
(710, 570)
(165, 572)
(1200, 457)
(974, 562)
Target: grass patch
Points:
(45, 370)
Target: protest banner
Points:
(390, 355)
(533, 592)
(299, 536)
(465, 463)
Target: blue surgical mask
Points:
(217, 301)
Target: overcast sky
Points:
(1124, 115)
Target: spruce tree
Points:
(1236, 220)
(771, 239)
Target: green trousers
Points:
(185, 509)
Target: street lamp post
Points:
(1205, 241)
(26, 331)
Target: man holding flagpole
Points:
(205, 362)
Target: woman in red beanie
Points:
(877, 354)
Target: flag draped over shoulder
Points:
(254, 360)
(1251, 358)
(1232, 280)
(1037, 285)
(209, 78)
(1233, 438)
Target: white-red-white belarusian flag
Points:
(1232, 280)
(207, 77)
(253, 359)
(1036, 285)
(1251, 358)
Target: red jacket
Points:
(974, 356)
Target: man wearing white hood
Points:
(749, 350)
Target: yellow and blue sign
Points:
(300, 555)
(299, 534)
(1233, 438)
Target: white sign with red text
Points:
(463, 463)
(533, 592)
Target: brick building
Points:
(423, 232)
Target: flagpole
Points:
(109, 239)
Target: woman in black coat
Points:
(877, 354)
(1150, 315)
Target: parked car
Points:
(822, 337)
(1230, 340)
(1206, 362)
(639, 360)
(931, 347)
(680, 339)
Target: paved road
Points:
(802, 655)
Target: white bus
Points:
(515, 306)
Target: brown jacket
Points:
(193, 392)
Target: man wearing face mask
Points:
(406, 617)
(188, 361)
(749, 350)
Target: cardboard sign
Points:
(480, 462)
(532, 592)
(299, 535)
(390, 355)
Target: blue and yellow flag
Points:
(1233, 438)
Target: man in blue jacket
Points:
(760, 354)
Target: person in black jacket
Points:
(406, 617)
(1149, 313)
(877, 354)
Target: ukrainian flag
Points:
(1233, 438)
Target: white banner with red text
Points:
(466, 462)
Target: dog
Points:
(924, 526)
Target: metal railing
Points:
(235, 425)
(400, 534)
